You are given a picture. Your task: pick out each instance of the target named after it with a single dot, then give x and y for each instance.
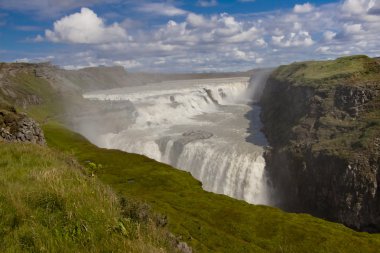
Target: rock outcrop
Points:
(323, 126)
(17, 127)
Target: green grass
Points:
(52, 102)
(48, 205)
(319, 73)
(209, 222)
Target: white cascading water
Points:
(200, 126)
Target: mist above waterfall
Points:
(257, 84)
(197, 125)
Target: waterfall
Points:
(198, 126)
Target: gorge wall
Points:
(322, 120)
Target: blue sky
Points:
(186, 36)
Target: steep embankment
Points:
(47, 197)
(322, 120)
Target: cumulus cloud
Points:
(163, 9)
(198, 29)
(249, 35)
(303, 8)
(301, 38)
(187, 41)
(357, 6)
(353, 28)
(196, 20)
(329, 35)
(85, 27)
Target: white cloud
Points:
(323, 50)
(357, 6)
(196, 20)
(244, 36)
(240, 55)
(189, 41)
(227, 25)
(163, 9)
(207, 3)
(353, 28)
(85, 27)
(261, 42)
(329, 35)
(38, 38)
(303, 8)
(301, 38)
(128, 63)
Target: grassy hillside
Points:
(350, 70)
(47, 204)
(23, 89)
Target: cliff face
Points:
(322, 120)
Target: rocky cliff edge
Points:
(322, 120)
